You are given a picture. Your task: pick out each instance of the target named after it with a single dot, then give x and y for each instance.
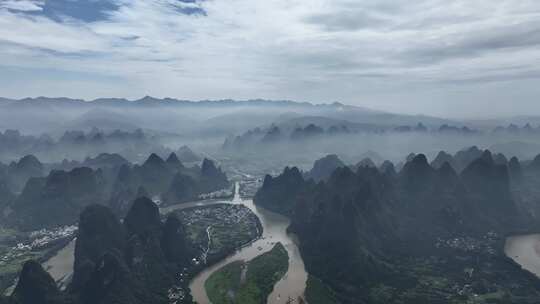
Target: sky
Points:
(461, 58)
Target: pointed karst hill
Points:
(342, 223)
(212, 177)
(535, 164)
(79, 182)
(112, 282)
(185, 154)
(365, 163)
(155, 174)
(143, 217)
(447, 174)
(29, 163)
(174, 162)
(466, 156)
(133, 262)
(429, 200)
(417, 173)
(500, 159)
(126, 187)
(57, 199)
(20, 172)
(484, 171)
(441, 158)
(167, 179)
(36, 286)
(410, 157)
(323, 168)
(488, 185)
(99, 232)
(273, 135)
(112, 266)
(388, 168)
(105, 160)
(359, 229)
(515, 170)
(183, 188)
(209, 169)
(144, 253)
(154, 162)
(6, 196)
(278, 194)
(173, 242)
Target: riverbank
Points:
(293, 283)
(248, 282)
(39, 245)
(218, 230)
(525, 251)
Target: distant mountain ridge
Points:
(345, 111)
(149, 100)
(210, 117)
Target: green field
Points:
(221, 284)
(228, 285)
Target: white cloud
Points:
(381, 53)
(22, 5)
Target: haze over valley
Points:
(280, 152)
(341, 204)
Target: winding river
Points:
(290, 287)
(275, 226)
(523, 249)
(60, 266)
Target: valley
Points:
(279, 214)
(269, 152)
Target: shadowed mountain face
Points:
(323, 168)
(58, 198)
(133, 262)
(442, 158)
(99, 232)
(6, 196)
(100, 271)
(169, 179)
(35, 285)
(76, 144)
(143, 217)
(212, 178)
(18, 173)
(278, 193)
(187, 155)
(362, 230)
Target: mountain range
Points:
(377, 235)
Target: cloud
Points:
(22, 5)
(356, 51)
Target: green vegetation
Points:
(318, 293)
(226, 279)
(230, 227)
(229, 285)
(10, 268)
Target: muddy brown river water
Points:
(275, 226)
(525, 250)
(291, 286)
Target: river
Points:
(525, 250)
(60, 266)
(291, 286)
